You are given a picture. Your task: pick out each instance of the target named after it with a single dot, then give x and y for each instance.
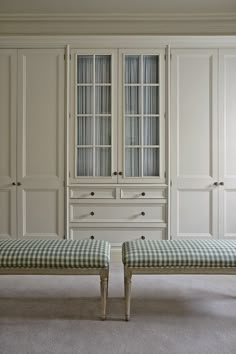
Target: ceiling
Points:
(116, 6)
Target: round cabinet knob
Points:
(115, 173)
(13, 183)
(92, 213)
(142, 237)
(92, 237)
(18, 184)
(142, 213)
(216, 183)
(143, 194)
(120, 173)
(92, 193)
(222, 184)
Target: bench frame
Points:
(103, 272)
(129, 271)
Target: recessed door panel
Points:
(195, 209)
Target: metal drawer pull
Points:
(222, 184)
(115, 173)
(120, 173)
(142, 237)
(142, 213)
(92, 193)
(92, 213)
(13, 183)
(216, 184)
(18, 184)
(143, 194)
(92, 237)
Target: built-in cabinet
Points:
(203, 145)
(118, 144)
(32, 143)
(117, 134)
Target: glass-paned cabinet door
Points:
(142, 92)
(94, 123)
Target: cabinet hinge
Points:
(69, 173)
(65, 57)
(165, 115)
(69, 115)
(171, 183)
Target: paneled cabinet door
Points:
(141, 121)
(8, 79)
(227, 157)
(194, 144)
(40, 136)
(93, 123)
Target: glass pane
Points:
(103, 69)
(151, 69)
(132, 100)
(103, 162)
(133, 162)
(151, 162)
(103, 99)
(85, 100)
(85, 69)
(151, 100)
(84, 162)
(132, 131)
(103, 131)
(132, 69)
(84, 131)
(151, 131)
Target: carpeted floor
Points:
(169, 315)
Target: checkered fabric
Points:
(179, 253)
(54, 254)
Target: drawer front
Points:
(118, 213)
(92, 193)
(142, 193)
(117, 237)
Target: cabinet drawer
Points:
(142, 193)
(118, 213)
(92, 193)
(117, 236)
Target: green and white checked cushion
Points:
(179, 253)
(54, 254)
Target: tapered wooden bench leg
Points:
(104, 292)
(127, 288)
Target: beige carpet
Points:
(169, 315)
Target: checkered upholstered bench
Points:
(57, 257)
(176, 257)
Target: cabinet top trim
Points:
(116, 41)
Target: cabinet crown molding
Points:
(118, 23)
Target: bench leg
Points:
(127, 288)
(104, 291)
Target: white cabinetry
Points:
(8, 75)
(203, 182)
(116, 143)
(32, 168)
(227, 143)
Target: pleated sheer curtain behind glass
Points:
(94, 115)
(141, 115)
